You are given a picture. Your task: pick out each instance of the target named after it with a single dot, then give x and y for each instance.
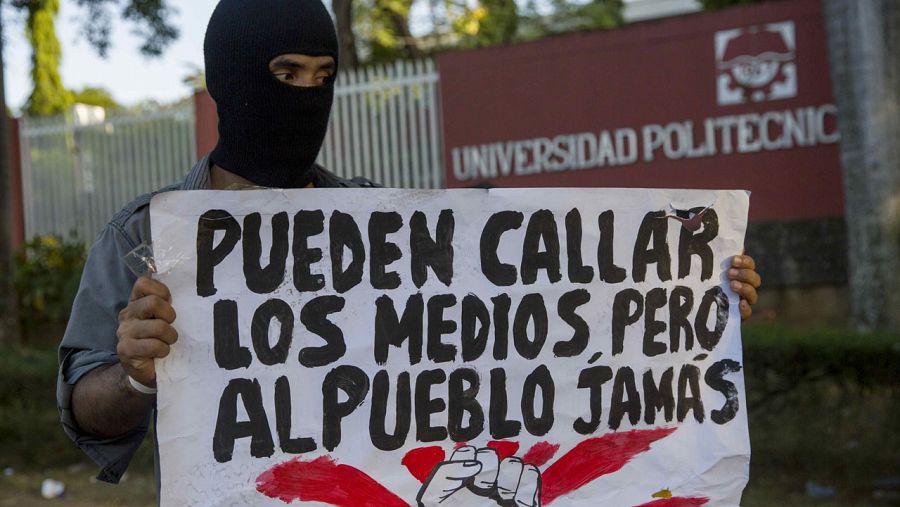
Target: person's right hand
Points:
(145, 329)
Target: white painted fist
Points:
(473, 477)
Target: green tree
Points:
(343, 21)
(48, 95)
(380, 29)
(499, 23)
(487, 23)
(95, 96)
(196, 77)
(151, 17)
(493, 22)
(384, 30)
(567, 16)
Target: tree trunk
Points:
(343, 13)
(8, 317)
(864, 48)
(400, 24)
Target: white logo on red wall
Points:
(756, 64)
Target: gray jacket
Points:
(90, 339)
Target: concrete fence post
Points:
(864, 48)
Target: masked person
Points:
(270, 67)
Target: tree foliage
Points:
(381, 28)
(95, 96)
(384, 29)
(490, 23)
(150, 18)
(567, 16)
(195, 78)
(493, 22)
(48, 95)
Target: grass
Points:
(31, 437)
(82, 488)
(34, 447)
(843, 437)
(824, 408)
(771, 492)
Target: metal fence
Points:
(385, 126)
(76, 175)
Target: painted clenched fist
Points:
(472, 476)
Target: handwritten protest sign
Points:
(359, 347)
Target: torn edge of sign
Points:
(691, 217)
(141, 261)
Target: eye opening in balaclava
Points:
(330, 78)
(269, 133)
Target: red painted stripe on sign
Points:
(676, 502)
(421, 461)
(540, 453)
(323, 480)
(595, 457)
(504, 448)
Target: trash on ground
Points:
(815, 490)
(52, 489)
(887, 489)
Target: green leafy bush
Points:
(48, 270)
(778, 358)
(31, 435)
(30, 432)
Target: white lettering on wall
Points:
(726, 135)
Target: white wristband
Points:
(141, 388)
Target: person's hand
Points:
(744, 281)
(145, 329)
(473, 475)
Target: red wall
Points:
(206, 127)
(654, 72)
(17, 210)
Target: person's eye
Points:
(287, 77)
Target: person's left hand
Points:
(744, 282)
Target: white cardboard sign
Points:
(359, 347)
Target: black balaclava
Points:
(269, 132)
